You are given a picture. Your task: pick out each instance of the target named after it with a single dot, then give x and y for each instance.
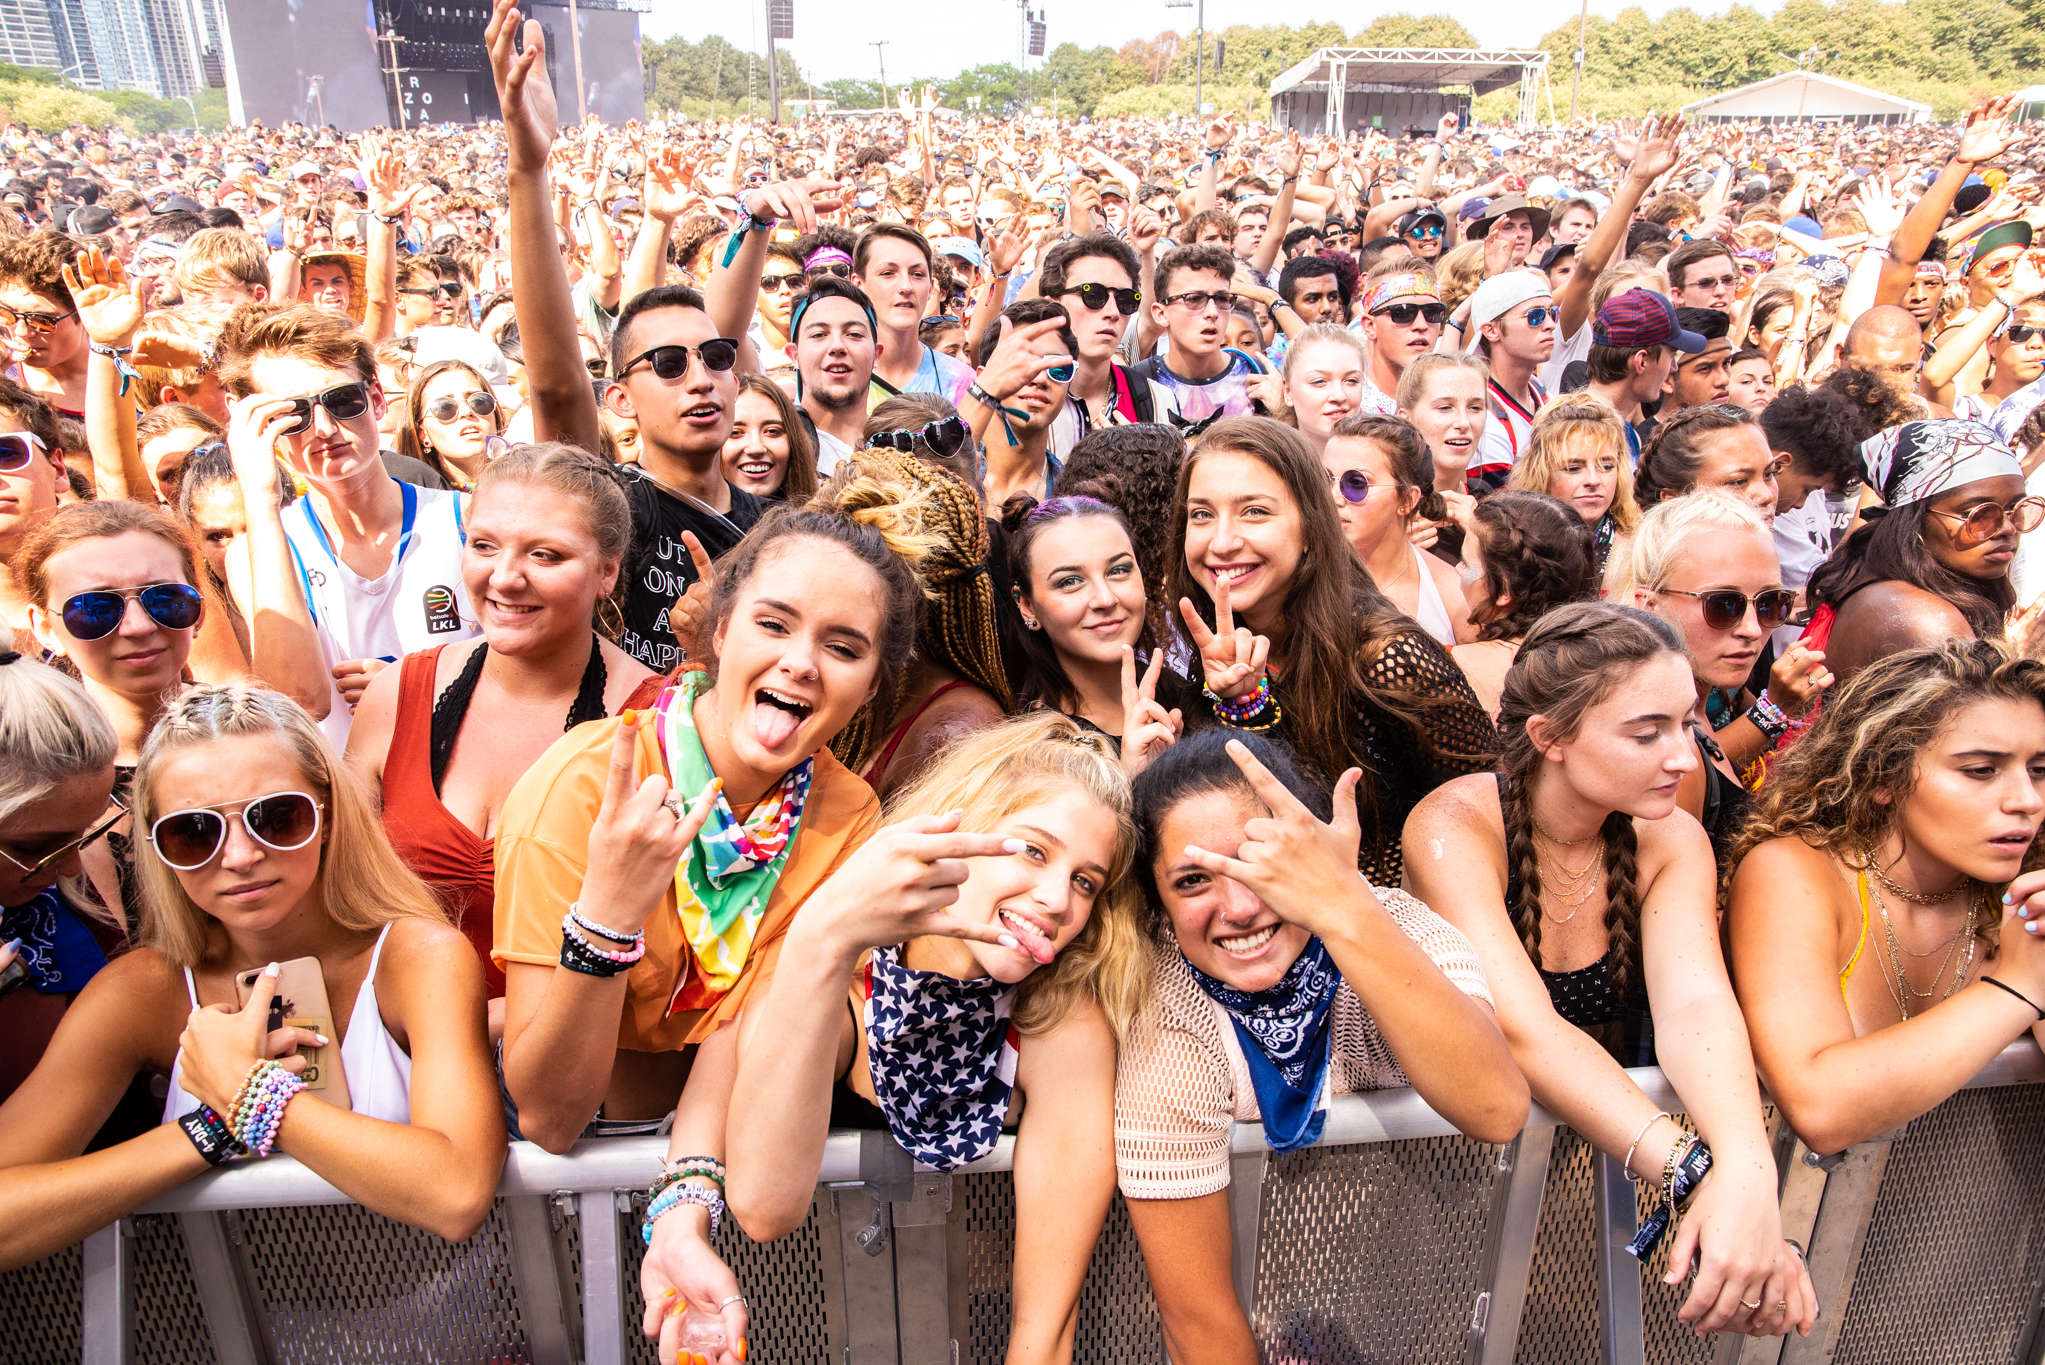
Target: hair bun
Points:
(1016, 511)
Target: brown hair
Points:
(1535, 548)
(1674, 456)
(410, 443)
(799, 479)
(1558, 427)
(220, 258)
(1406, 451)
(78, 521)
(32, 412)
(1573, 659)
(37, 264)
(590, 483)
(299, 330)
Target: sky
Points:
(930, 36)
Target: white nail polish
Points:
(1013, 845)
(273, 970)
(1008, 941)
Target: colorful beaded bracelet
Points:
(266, 1093)
(604, 931)
(570, 929)
(673, 1197)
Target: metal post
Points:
(773, 72)
(1618, 1273)
(1246, 1214)
(879, 49)
(216, 1274)
(1583, 20)
(1509, 1256)
(603, 1298)
(575, 41)
(1199, 58)
(108, 1296)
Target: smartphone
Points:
(301, 1002)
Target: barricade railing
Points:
(1395, 1238)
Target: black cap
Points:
(1556, 253)
(176, 202)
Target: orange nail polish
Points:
(741, 1351)
(629, 717)
(679, 1309)
(669, 1293)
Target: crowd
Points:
(1099, 631)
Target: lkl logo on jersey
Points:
(442, 616)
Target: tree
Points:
(1410, 30)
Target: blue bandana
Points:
(60, 953)
(1287, 1042)
(942, 1055)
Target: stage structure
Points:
(1399, 89)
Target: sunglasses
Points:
(670, 363)
(1725, 608)
(1712, 282)
(63, 851)
(948, 319)
(188, 839)
(2017, 332)
(1537, 317)
(838, 268)
(18, 449)
(1094, 297)
(1354, 485)
(943, 438)
(39, 323)
(1427, 233)
(95, 615)
(1986, 521)
(774, 284)
(482, 404)
(343, 402)
(453, 291)
(1402, 314)
(1198, 301)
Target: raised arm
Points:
(1654, 154)
(1987, 133)
(110, 309)
(1281, 212)
(284, 646)
(564, 406)
(384, 174)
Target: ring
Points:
(673, 803)
(1750, 1306)
(735, 1298)
(1783, 1306)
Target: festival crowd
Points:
(1095, 631)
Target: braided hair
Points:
(959, 626)
(1675, 454)
(1537, 551)
(1572, 660)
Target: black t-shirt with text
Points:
(658, 570)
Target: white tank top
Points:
(418, 603)
(378, 1072)
(1432, 613)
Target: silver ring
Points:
(674, 803)
(722, 1304)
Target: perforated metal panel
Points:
(1373, 1253)
(1117, 1316)
(41, 1308)
(1560, 1323)
(783, 1282)
(170, 1322)
(406, 1294)
(1955, 1250)
(1669, 1340)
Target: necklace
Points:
(1566, 843)
(1914, 897)
(1900, 989)
(1569, 890)
(1566, 874)
(1404, 569)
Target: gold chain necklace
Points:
(1571, 892)
(1889, 883)
(1900, 989)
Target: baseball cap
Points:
(301, 169)
(1419, 218)
(1641, 317)
(1556, 253)
(961, 247)
(1502, 293)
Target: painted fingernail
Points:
(322, 1037)
(273, 971)
(740, 1352)
(1008, 941)
(12, 944)
(669, 1293)
(629, 717)
(1013, 845)
(679, 1309)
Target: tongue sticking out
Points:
(772, 725)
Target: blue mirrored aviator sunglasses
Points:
(95, 615)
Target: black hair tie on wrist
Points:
(1991, 981)
(8, 656)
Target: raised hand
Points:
(1655, 147)
(1879, 206)
(797, 202)
(1147, 728)
(1232, 657)
(639, 836)
(1145, 230)
(1301, 867)
(1022, 354)
(666, 194)
(689, 619)
(1289, 154)
(1221, 132)
(1989, 131)
(384, 174)
(1798, 679)
(1447, 127)
(531, 115)
(109, 304)
(899, 886)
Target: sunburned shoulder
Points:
(419, 949)
(1460, 806)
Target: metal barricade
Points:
(1393, 1239)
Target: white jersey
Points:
(418, 603)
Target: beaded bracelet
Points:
(578, 956)
(262, 1111)
(1770, 719)
(571, 930)
(604, 931)
(672, 1162)
(673, 1197)
(211, 1135)
(1688, 1162)
(1237, 709)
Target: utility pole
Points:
(773, 73)
(1583, 19)
(575, 41)
(877, 47)
(1200, 58)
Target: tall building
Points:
(25, 36)
(142, 45)
(75, 58)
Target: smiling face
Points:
(756, 455)
(1324, 384)
(1451, 414)
(1223, 928)
(533, 573)
(1586, 477)
(1631, 750)
(1044, 895)
(833, 352)
(327, 286)
(1085, 590)
(1713, 559)
(897, 280)
(1382, 513)
(248, 886)
(798, 654)
(1243, 525)
(139, 658)
(1979, 789)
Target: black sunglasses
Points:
(1354, 485)
(2020, 333)
(18, 450)
(1402, 314)
(95, 615)
(343, 402)
(188, 839)
(774, 284)
(838, 268)
(1725, 608)
(453, 291)
(1095, 297)
(670, 363)
(942, 438)
(445, 409)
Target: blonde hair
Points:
(1564, 422)
(220, 258)
(1665, 531)
(363, 883)
(1319, 333)
(1458, 273)
(995, 772)
(50, 733)
(182, 324)
(1414, 380)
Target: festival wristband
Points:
(1770, 719)
(211, 1135)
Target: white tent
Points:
(1798, 95)
(2031, 102)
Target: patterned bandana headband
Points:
(1406, 285)
(1920, 460)
(824, 256)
